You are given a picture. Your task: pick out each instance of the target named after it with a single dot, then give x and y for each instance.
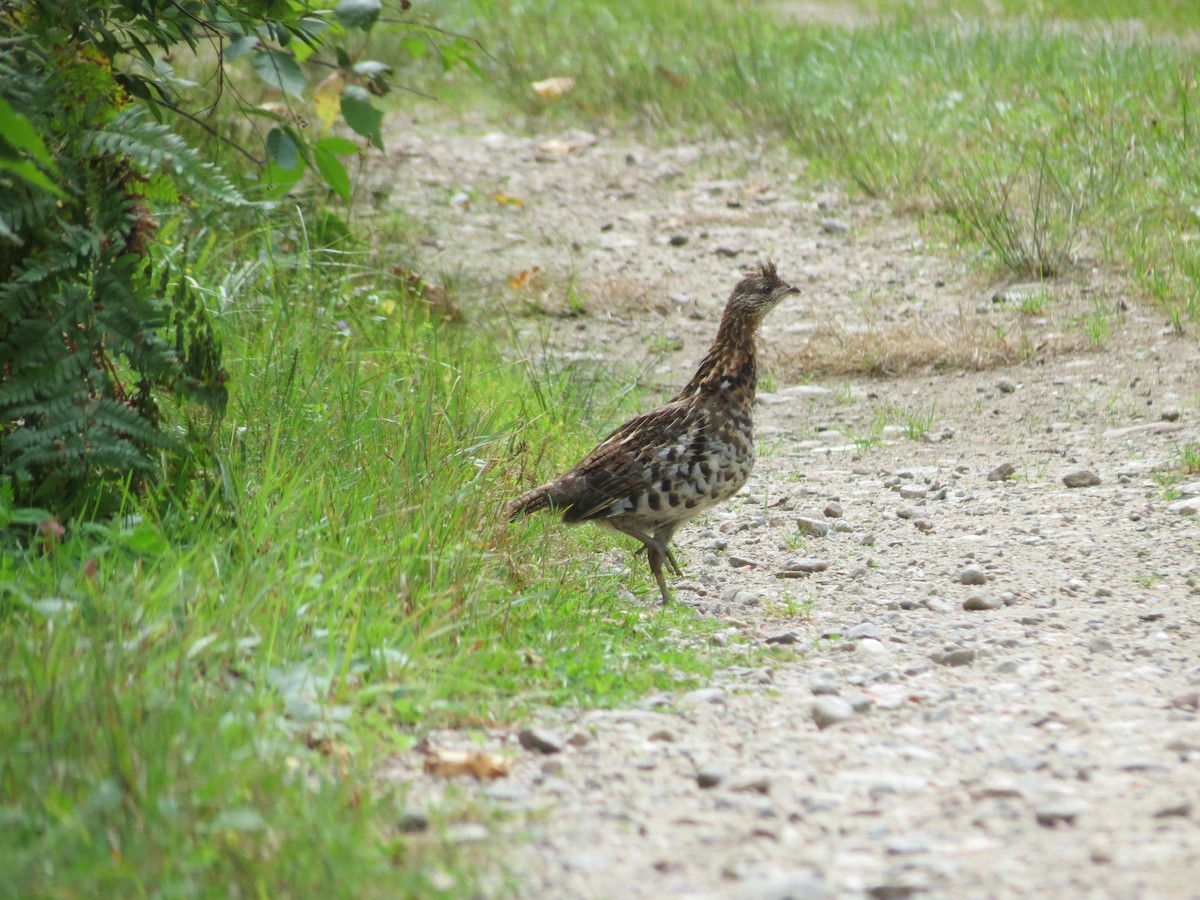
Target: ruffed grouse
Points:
(667, 466)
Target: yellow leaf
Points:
(553, 88)
(327, 99)
(477, 763)
(521, 280)
(505, 200)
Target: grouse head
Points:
(758, 293)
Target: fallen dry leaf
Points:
(505, 200)
(553, 88)
(479, 764)
(521, 280)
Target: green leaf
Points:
(333, 172)
(283, 148)
(279, 70)
(360, 115)
(23, 168)
(339, 145)
(358, 13)
(19, 133)
(240, 46)
(145, 540)
(277, 181)
(415, 46)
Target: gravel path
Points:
(985, 681)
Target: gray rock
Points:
(412, 821)
(972, 575)
(740, 562)
(1006, 385)
(1002, 472)
(961, 657)
(704, 695)
(912, 492)
(906, 512)
(1100, 645)
(829, 710)
(806, 564)
(1189, 507)
(859, 702)
(813, 527)
(710, 776)
(677, 240)
(1053, 815)
(1179, 806)
(755, 783)
(863, 630)
(834, 226)
(541, 740)
(937, 605)
(824, 687)
(833, 510)
(982, 601)
(1078, 478)
(785, 637)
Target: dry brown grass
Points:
(970, 343)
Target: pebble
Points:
(1189, 507)
(912, 492)
(982, 601)
(1051, 815)
(677, 240)
(741, 562)
(824, 687)
(806, 564)
(814, 527)
(961, 657)
(785, 637)
(1078, 478)
(705, 695)
(541, 740)
(1002, 472)
(412, 821)
(710, 776)
(833, 510)
(863, 630)
(751, 784)
(906, 512)
(1006, 385)
(829, 710)
(1181, 807)
(834, 226)
(972, 575)
(1100, 645)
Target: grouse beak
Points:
(790, 289)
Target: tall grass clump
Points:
(198, 691)
(1046, 144)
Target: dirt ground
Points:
(1044, 744)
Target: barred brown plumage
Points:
(668, 465)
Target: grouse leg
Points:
(656, 552)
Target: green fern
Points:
(96, 328)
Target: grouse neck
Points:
(730, 366)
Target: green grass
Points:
(196, 696)
(1046, 146)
